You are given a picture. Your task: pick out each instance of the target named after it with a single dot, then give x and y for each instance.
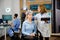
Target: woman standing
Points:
(29, 27)
(41, 24)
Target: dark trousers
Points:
(41, 37)
(46, 38)
(29, 38)
(15, 37)
(2, 38)
(25, 37)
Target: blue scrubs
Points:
(28, 28)
(16, 23)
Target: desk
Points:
(5, 26)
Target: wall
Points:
(1, 8)
(16, 7)
(57, 14)
(28, 3)
(13, 4)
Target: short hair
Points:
(16, 15)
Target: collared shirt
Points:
(16, 23)
(28, 28)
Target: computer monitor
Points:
(7, 18)
(48, 6)
(34, 7)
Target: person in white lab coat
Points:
(42, 28)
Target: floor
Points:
(51, 38)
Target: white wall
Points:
(13, 4)
(16, 6)
(1, 8)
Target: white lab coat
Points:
(43, 27)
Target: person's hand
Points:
(11, 24)
(32, 34)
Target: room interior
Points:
(20, 6)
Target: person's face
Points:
(38, 9)
(30, 16)
(14, 17)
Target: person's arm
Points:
(35, 28)
(35, 17)
(24, 29)
(34, 31)
(13, 24)
(17, 24)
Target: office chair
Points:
(26, 37)
(29, 38)
(17, 33)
